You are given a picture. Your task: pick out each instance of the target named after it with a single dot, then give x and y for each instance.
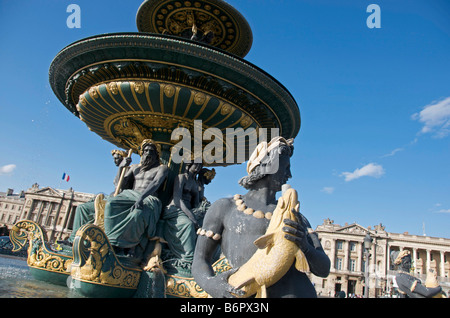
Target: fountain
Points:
(185, 66)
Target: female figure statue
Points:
(180, 215)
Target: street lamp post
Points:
(367, 245)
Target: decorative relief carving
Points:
(169, 90)
(112, 87)
(94, 261)
(138, 87)
(39, 255)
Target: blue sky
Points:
(374, 146)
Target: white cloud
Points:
(444, 211)
(369, 170)
(7, 169)
(393, 152)
(328, 190)
(435, 117)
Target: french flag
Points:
(65, 177)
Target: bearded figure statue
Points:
(131, 216)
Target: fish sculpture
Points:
(432, 282)
(275, 254)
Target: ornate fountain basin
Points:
(130, 86)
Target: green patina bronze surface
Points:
(127, 87)
(231, 31)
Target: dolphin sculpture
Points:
(275, 254)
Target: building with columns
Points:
(344, 245)
(53, 209)
(11, 205)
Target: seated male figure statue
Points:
(130, 217)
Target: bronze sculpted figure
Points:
(204, 178)
(131, 216)
(85, 213)
(121, 160)
(184, 213)
(234, 228)
(408, 285)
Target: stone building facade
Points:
(344, 245)
(53, 209)
(11, 205)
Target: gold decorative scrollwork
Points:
(100, 265)
(187, 288)
(221, 266)
(130, 133)
(159, 121)
(39, 255)
(184, 287)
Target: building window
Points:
(339, 263)
(352, 265)
(50, 221)
(363, 265)
(339, 245)
(352, 246)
